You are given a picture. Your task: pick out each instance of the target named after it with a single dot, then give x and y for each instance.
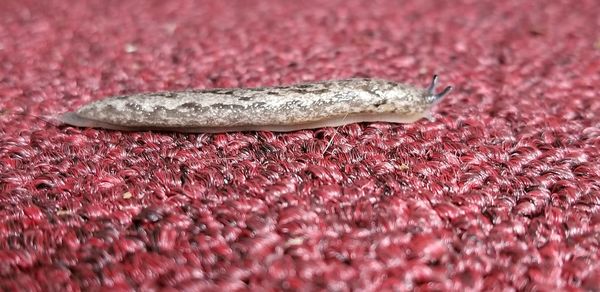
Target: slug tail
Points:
(73, 119)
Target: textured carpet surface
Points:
(500, 192)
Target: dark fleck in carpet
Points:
(501, 192)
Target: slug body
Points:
(278, 109)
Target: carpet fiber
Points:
(500, 192)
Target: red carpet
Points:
(501, 192)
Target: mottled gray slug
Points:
(278, 109)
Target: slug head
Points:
(412, 100)
(433, 97)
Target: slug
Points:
(278, 109)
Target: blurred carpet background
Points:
(501, 192)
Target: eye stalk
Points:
(433, 97)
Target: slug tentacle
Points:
(443, 93)
(433, 84)
(281, 108)
(434, 97)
